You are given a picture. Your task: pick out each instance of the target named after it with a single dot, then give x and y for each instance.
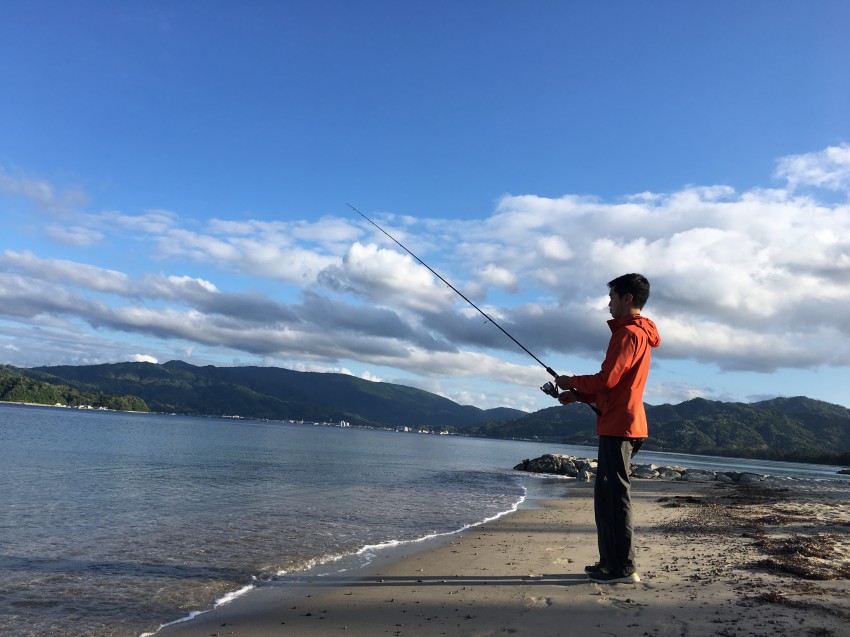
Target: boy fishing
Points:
(617, 391)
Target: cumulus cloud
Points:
(756, 280)
(497, 276)
(385, 276)
(556, 248)
(272, 255)
(760, 277)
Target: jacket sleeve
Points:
(618, 360)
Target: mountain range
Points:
(793, 429)
(268, 392)
(797, 428)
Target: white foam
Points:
(311, 564)
(368, 552)
(224, 599)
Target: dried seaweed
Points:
(810, 557)
(776, 597)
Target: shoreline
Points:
(79, 408)
(352, 567)
(839, 469)
(714, 558)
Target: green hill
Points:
(270, 392)
(799, 428)
(17, 388)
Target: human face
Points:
(620, 306)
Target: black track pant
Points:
(612, 502)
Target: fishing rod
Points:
(548, 388)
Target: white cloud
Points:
(272, 256)
(187, 281)
(755, 280)
(494, 275)
(79, 236)
(153, 222)
(828, 168)
(555, 247)
(65, 272)
(42, 194)
(144, 358)
(385, 276)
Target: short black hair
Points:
(634, 284)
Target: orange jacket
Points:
(617, 389)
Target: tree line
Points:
(20, 389)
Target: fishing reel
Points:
(550, 390)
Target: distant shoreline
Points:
(841, 466)
(85, 408)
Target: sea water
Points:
(115, 523)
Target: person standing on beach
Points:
(617, 391)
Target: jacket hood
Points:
(641, 322)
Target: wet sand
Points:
(767, 558)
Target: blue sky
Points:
(174, 179)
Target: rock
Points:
(668, 474)
(548, 463)
(695, 475)
(844, 472)
(585, 464)
(568, 467)
(584, 476)
(584, 469)
(750, 477)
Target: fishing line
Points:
(548, 388)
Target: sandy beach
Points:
(766, 558)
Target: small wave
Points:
(369, 551)
(314, 563)
(221, 601)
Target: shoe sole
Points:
(628, 579)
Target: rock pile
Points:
(584, 470)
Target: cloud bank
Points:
(756, 280)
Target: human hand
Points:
(567, 397)
(563, 382)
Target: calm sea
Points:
(114, 524)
